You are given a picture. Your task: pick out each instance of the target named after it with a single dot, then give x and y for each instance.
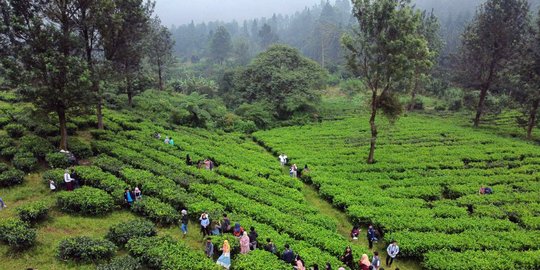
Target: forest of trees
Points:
(71, 57)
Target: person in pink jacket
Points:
(244, 243)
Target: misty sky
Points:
(183, 11)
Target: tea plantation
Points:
(423, 190)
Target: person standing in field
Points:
(2, 204)
(205, 224)
(68, 180)
(209, 248)
(244, 243)
(225, 224)
(129, 197)
(294, 171)
(392, 251)
(283, 159)
(371, 236)
(376, 261)
(347, 257)
(171, 141)
(166, 141)
(364, 262)
(184, 220)
(225, 258)
(288, 255)
(138, 194)
(253, 235)
(300, 265)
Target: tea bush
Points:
(80, 149)
(121, 233)
(33, 212)
(17, 234)
(121, 263)
(86, 249)
(11, 177)
(85, 201)
(57, 160)
(14, 130)
(25, 162)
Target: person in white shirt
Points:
(283, 159)
(68, 180)
(392, 251)
(52, 185)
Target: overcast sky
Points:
(184, 11)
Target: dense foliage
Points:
(85, 201)
(424, 190)
(121, 233)
(17, 234)
(33, 212)
(86, 249)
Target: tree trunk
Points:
(413, 92)
(532, 118)
(160, 75)
(63, 130)
(480, 107)
(371, 157)
(100, 112)
(129, 92)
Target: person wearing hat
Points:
(184, 225)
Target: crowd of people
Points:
(249, 241)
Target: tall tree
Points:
(282, 78)
(527, 82)
(220, 45)
(429, 29)
(160, 49)
(494, 38)
(267, 37)
(45, 60)
(86, 20)
(124, 26)
(382, 53)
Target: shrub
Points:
(121, 233)
(156, 210)
(352, 87)
(9, 152)
(109, 164)
(166, 253)
(14, 130)
(46, 129)
(86, 201)
(121, 263)
(25, 162)
(57, 160)
(95, 177)
(33, 212)
(3, 167)
(38, 146)
(4, 121)
(86, 249)
(11, 177)
(80, 149)
(57, 175)
(17, 234)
